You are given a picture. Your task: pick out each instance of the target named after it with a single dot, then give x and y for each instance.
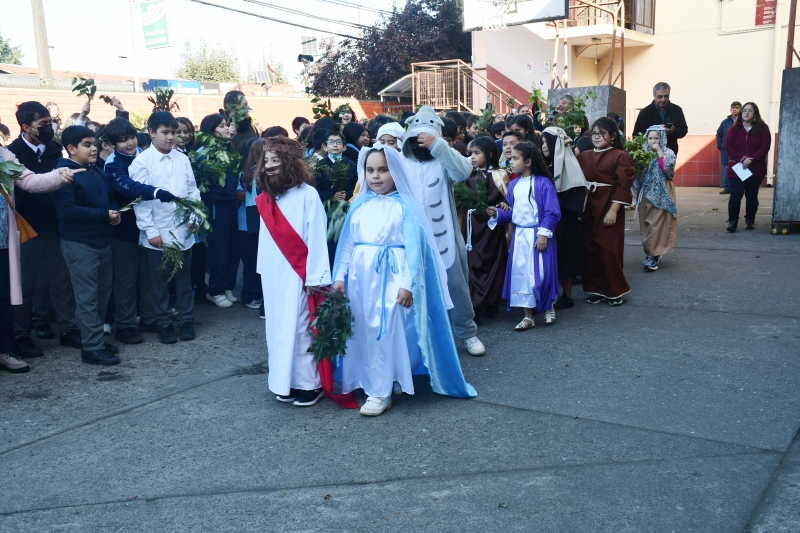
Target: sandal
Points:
(550, 317)
(522, 326)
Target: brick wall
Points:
(698, 162)
(268, 111)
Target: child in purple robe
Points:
(532, 206)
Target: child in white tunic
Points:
(372, 266)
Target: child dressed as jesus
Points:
(397, 285)
(292, 261)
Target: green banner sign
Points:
(154, 23)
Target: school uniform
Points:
(83, 207)
(45, 279)
(249, 226)
(324, 187)
(223, 239)
(173, 172)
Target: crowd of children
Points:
(365, 208)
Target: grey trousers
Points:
(184, 295)
(132, 290)
(91, 270)
(723, 176)
(41, 258)
(462, 316)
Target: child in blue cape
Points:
(397, 286)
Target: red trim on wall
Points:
(505, 83)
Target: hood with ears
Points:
(425, 121)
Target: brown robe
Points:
(489, 256)
(603, 246)
(658, 227)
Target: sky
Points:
(106, 32)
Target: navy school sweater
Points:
(83, 205)
(117, 169)
(36, 209)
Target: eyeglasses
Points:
(599, 134)
(334, 143)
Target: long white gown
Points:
(523, 269)
(367, 254)
(291, 366)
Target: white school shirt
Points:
(171, 172)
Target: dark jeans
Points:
(223, 247)
(39, 256)
(199, 267)
(131, 284)
(723, 176)
(251, 284)
(91, 271)
(6, 310)
(748, 189)
(184, 298)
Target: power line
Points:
(302, 14)
(276, 20)
(356, 6)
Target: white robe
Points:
(523, 269)
(373, 365)
(291, 366)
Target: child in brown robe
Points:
(609, 173)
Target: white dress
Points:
(372, 256)
(291, 366)
(523, 269)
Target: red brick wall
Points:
(268, 111)
(496, 77)
(698, 162)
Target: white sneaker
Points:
(231, 297)
(219, 300)
(12, 364)
(474, 346)
(106, 329)
(376, 406)
(397, 390)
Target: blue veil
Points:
(429, 282)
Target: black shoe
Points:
(148, 328)
(72, 339)
(128, 336)
(26, 349)
(45, 332)
(99, 357)
(187, 331)
(490, 311)
(725, 191)
(292, 396)
(167, 335)
(111, 348)
(307, 398)
(562, 302)
(749, 225)
(731, 227)
(595, 299)
(615, 301)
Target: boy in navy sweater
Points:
(131, 273)
(87, 210)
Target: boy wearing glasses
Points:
(331, 167)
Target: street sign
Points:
(154, 24)
(528, 68)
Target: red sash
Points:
(295, 250)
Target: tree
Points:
(207, 63)
(424, 30)
(10, 54)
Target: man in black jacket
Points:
(36, 150)
(663, 112)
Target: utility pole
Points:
(42, 49)
(134, 28)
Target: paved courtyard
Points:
(678, 411)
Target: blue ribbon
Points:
(385, 255)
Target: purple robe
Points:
(546, 200)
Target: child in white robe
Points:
(380, 264)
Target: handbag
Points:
(26, 232)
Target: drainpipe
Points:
(778, 60)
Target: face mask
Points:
(46, 133)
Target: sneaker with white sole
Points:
(12, 364)
(220, 300)
(375, 406)
(106, 329)
(253, 304)
(474, 346)
(397, 389)
(231, 297)
(307, 398)
(651, 264)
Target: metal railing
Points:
(639, 15)
(452, 85)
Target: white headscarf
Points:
(408, 192)
(567, 173)
(392, 128)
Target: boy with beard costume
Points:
(433, 167)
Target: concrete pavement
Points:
(678, 411)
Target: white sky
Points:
(106, 32)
